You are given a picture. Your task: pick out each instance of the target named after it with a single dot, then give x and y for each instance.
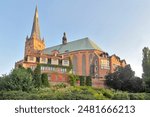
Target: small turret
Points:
(64, 39)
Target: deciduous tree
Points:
(124, 79)
(146, 67)
(37, 77)
(44, 78)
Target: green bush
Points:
(37, 77)
(121, 96)
(33, 96)
(88, 81)
(13, 95)
(71, 93)
(136, 96)
(124, 79)
(108, 93)
(82, 80)
(44, 78)
(147, 96)
(73, 79)
(18, 79)
(60, 85)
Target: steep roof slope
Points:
(81, 44)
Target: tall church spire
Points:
(36, 27)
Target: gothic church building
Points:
(81, 57)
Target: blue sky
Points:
(120, 27)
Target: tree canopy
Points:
(146, 67)
(18, 79)
(124, 79)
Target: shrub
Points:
(147, 96)
(60, 85)
(88, 81)
(107, 93)
(121, 96)
(136, 96)
(124, 79)
(82, 80)
(44, 78)
(72, 79)
(29, 70)
(18, 79)
(13, 95)
(37, 77)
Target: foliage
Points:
(109, 93)
(73, 79)
(121, 96)
(18, 79)
(146, 67)
(124, 79)
(37, 77)
(13, 95)
(60, 85)
(137, 96)
(44, 78)
(72, 93)
(146, 96)
(85, 80)
(136, 85)
(30, 71)
(82, 80)
(5, 83)
(88, 81)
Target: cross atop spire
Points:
(36, 27)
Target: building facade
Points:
(81, 57)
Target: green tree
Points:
(82, 80)
(136, 84)
(73, 79)
(37, 77)
(146, 67)
(30, 71)
(44, 78)
(18, 79)
(88, 81)
(124, 79)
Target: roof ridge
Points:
(69, 42)
(76, 45)
(78, 39)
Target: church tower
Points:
(34, 44)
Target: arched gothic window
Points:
(74, 64)
(83, 65)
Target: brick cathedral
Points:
(81, 57)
